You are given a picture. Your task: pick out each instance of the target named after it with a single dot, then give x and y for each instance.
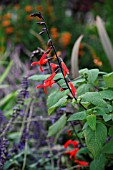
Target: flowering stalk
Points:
(61, 64)
(20, 102)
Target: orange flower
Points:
(54, 33)
(5, 23)
(7, 16)
(65, 39)
(17, 6)
(28, 8)
(9, 30)
(97, 62)
(39, 7)
(29, 18)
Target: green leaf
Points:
(56, 99)
(57, 126)
(4, 75)
(78, 116)
(94, 98)
(44, 77)
(107, 94)
(110, 131)
(39, 77)
(98, 163)
(107, 117)
(58, 104)
(108, 148)
(92, 75)
(83, 89)
(91, 120)
(95, 139)
(108, 79)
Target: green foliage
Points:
(57, 126)
(78, 116)
(98, 163)
(91, 120)
(55, 100)
(108, 79)
(95, 138)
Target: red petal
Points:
(66, 71)
(43, 56)
(72, 88)
(40, 86)
(35, 63)
(82, 163)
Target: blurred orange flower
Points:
(28, 8)
(7, 16)
(29, 18)
(54, 33)
(97, 62)
(65, 39)
(5, 23)
(39, 7)
(9, 30)
(17, 6)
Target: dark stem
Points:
(60, 63)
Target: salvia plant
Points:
(80, 110)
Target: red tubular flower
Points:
(82, 163)
(69, 132)
(73, 153)
(72, 88)
(65, 69)
(47, 83)
(42, 60)
(54, 67)
(74, 143)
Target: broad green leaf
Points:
(110, 131)
(108, 79)
(94, 98)
(98, 163)
(107, 117)
(83, 89)
(95, 139)
(58, 104)
(54, 98)
(92, 75)
(44, 77)
(83, 71)
(4, 75)
(39, 77)
(91, 120)
(78, 116)
(107, 94)
(108, 148)
(57, 126)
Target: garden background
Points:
(64, 129)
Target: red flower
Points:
(47, 83)
(54, 67)
(73, 153)
(74, 143)
(65, 69)
(82, 163)
(42, 60)
(69, 132)
(72, 89)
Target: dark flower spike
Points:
(57, 70)
(62, 89)
(49, 42)
(40, 33)
(37, 14)
(41, 23)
